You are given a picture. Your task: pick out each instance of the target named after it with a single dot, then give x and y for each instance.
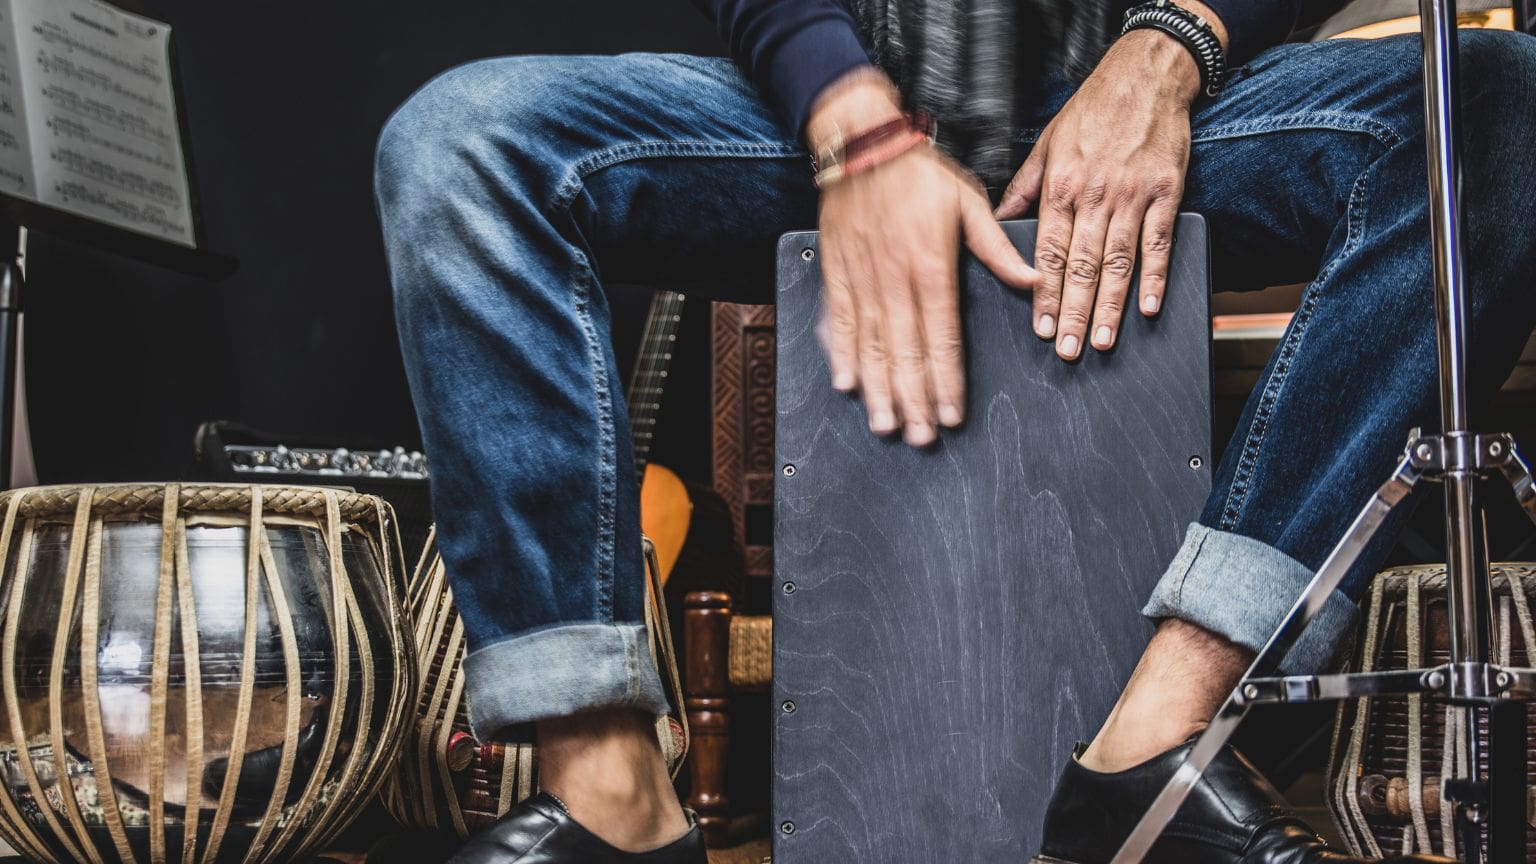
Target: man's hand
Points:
(890, 253)
(1108, 174)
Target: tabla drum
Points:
(1389, 753)
(203, 673)
(447, 781)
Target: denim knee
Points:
(468, 125)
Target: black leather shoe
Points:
(1234, 816)
(541, 831)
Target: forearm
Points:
(1149, 56)
(859, 100)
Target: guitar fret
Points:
(651, 373)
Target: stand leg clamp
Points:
(1434, 455)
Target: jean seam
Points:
(1310, 121)
(581, 287)
(633, 150)
(1274, 384)
(607, 478)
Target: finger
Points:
(907, 360)
(874, 380)
(1053, 239)
(1156, 250)
(1115, 271)
(838, 329)
(990, 244)
(1024, 190)
(1080, 282)
(936, 287)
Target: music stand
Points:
(16, 213)
(1458, 458)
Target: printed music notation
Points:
(65, 69)
(101, 114)
(88, 119)
(127, 209)
(56, 33)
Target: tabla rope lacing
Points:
(1414, 660)
(660, 630)
(192, 661)
(341, 663)
(90, 693)
(160, 665)
(71, 594)
(33, 843)
(1362, 720)
(230, 782)
(277, 596)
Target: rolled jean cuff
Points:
(560, 671)
(1242, 588)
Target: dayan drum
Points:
(445, 779)
(195, 673)
(1389, 753)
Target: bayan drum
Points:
(1390, 752)
(445, 779)
(208, 674)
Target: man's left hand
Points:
(1108, 174)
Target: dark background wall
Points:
(285, 101)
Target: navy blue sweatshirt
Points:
(792, 49)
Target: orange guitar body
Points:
(665, 513)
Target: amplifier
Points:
(228, 452)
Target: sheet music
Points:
(101, 115)
(15, 149)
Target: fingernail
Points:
(949, 415)
(842, 381)
(1045, 328)
(1102, 336)
(1069, 346)
(919, 434)
(882, 423)
(1149, 304)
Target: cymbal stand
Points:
(1456, 458)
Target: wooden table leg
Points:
(706, 639)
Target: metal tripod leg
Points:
(1216, 736)
(1518, 472)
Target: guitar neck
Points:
(650, 376)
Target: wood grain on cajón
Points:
(949, 622)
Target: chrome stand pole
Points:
(1469, 588)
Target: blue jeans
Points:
(511, 189)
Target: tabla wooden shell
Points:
(445, 779)
(1389, 753)
(186, 657)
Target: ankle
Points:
(1115, 750)
(1183, 677)
(608, 770)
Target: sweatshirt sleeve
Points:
(791, 49)
(1253, 25)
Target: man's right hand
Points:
(890, 253)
